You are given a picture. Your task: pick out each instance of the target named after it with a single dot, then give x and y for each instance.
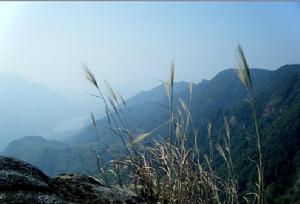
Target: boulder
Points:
(21, 182)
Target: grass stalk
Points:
(245, 77)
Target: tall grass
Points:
(245, 77)
(173, 170)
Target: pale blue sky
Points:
(132, 44)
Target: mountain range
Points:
(28, 108)
(277, 94)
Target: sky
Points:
(131, 44)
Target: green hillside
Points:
(277, 96)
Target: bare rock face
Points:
(21, 182)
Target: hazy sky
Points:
(132, 44)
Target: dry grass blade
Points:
(108, 116)
(244, 75)
(90, 76)
(122, 99)
(226, 124)
(185, 157)
(93, 119)
(222, 153)
(243, 68)
(185, 108)
(191, 92)
(141, 137)
(172, 67)
(111, 91)
(166, 85)
(209, 128)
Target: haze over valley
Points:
(139, 102)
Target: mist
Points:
(130, 45)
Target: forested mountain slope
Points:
(277, 95)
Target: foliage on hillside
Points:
(277, 96)
(169, 164)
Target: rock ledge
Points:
(21, 182)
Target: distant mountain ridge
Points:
(155, 94)
(277, 95)
(28, 108)
(152, 98)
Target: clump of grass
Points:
(231, 185)
(171, 170)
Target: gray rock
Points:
(21, 182)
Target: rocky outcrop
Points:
(21, 182)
